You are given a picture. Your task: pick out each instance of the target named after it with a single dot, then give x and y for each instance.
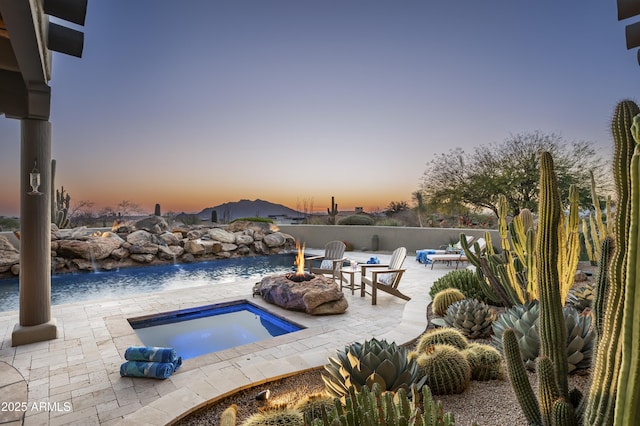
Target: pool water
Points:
(198, 331)
(76, 287)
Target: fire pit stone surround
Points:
(318, 296)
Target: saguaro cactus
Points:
(332, 212)
(601, 398)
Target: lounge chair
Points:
(384, 277)
(421, 255)
(449, 258)
(330, 262)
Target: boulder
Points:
(274, 240)
(142, 258)
(95, 248)
(243, 239)
(318, 296)
(193, 248)
(171, 239)
(143, 248)
(222, 235)
(153, 224)
(140, 237)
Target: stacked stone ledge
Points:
(150, 241)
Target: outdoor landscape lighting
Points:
(34, 180)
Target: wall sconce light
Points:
(34, 180)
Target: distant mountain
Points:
(247, 208)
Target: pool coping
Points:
(202, 393)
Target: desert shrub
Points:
(356, 219)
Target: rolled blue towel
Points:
(150, 353)
(373, 261)
(153, 370)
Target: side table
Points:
(348, 278)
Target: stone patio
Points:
(75, 379)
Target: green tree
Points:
(396, 207)
(457, 179)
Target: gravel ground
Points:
(490, 403)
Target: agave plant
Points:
(472, 317)
(581, 297)
(374, 361)
(523, 319)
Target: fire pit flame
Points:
(300, 274)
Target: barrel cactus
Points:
(485, 362)
(472, 317)
(523, 319)
(312, 406)
(374, 361)
(441, 336)
(277, 416)
(446, 369)
(444, 299)
(464, 280)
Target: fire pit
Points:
(302, 291)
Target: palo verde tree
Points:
(476, 179)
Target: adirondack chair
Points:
(330, 262)
(384, 277)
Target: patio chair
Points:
(386, 277)
(456, 257)
(421, 255)
(330, 262)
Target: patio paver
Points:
(75, 379)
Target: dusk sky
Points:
(195, 103)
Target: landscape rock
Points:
(140, 237)
(318, 296)
(243, 239)
(221, 235)
(91, 249)
(153, 224)
(580, 276)
(95, 248)
(171, 239)
(194, 247)
(142, 258)
(274, 240)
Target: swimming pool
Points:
(68, 288)
(205, 329)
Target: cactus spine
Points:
(332, 212)
(606, 367)
(628, 399)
